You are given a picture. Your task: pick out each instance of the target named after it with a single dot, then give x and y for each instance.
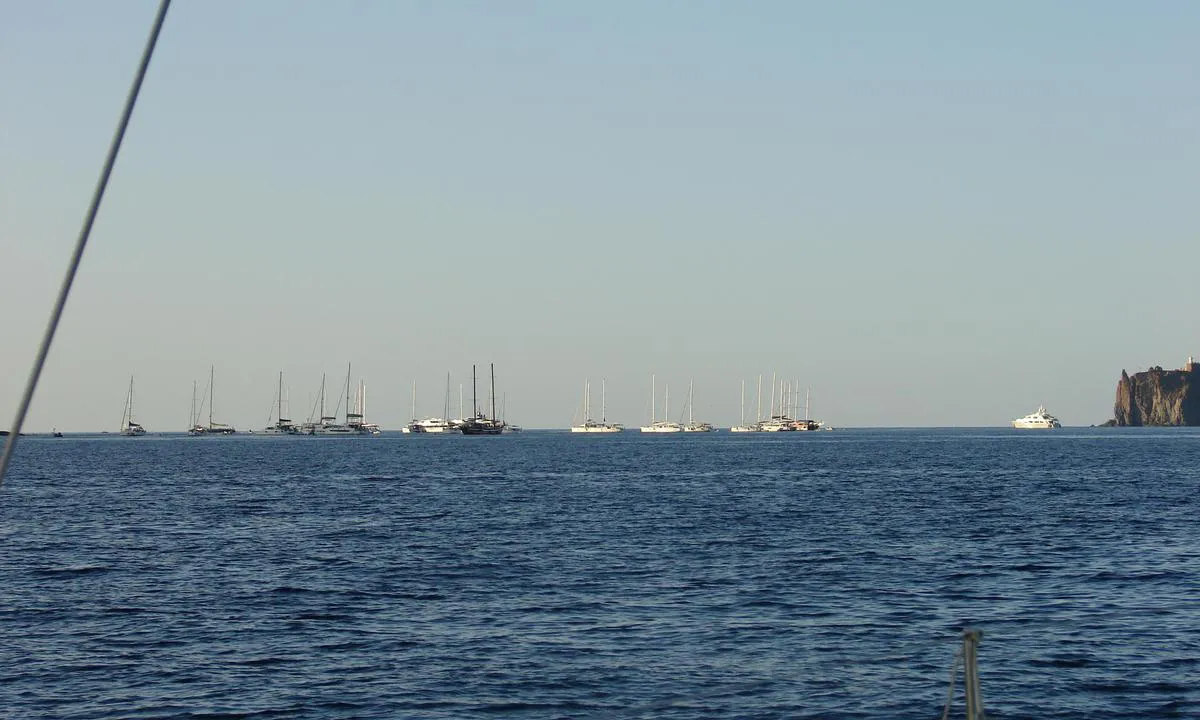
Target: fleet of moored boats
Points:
(781, 415)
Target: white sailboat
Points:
(282, 425)
(360, 410)
(413, 425)
(742, 427)
(807, 424)
(213, 428)
(318, 422)
(589, 425)
(692, 425)
(661, 426)
(130, 428)
(354, 424)
(777, 422)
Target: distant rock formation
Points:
(1159, 397)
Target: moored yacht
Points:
(692, 425)
(661, 426)
(212, 428)
(478, 423)
(433, 425)
(1039, 419)
(592, 426)
(282, 425)
(129, 428)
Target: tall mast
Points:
(474, 394)
(807, 397)
(279, 417)
(667, 403)
(193, 420)
(652, 398)
(743, 422)
(603, 401)
(347, 393)
(772, 411)
(492, 367)
(211, 393)
(691, 410)
(446, 410)
(587, 412)
(759, 417)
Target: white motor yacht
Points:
(1040, 419)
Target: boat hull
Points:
(599, 428)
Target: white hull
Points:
(434, 425)
(744, 428)
(1035, 424)
(278, 431)
(597, 428)
(1037, 420)
(698, 427)
(663, 427)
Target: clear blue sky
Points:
(931, 213)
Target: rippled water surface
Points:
(544, 575)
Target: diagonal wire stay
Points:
(81, 242)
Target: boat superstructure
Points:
(1037, 420)
(436, 425)
(592, 426)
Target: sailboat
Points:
(480, 424)
(508, 427)
(355, 413)
(589, 425)
(413, 425)
(661, 426)
(213, 428)
(282, 425)
(781, 422)
(358, 419)
(807, 424)
(742, 426)
(692, 425)
(128, 426)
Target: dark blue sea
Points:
(545, 575)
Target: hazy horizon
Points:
(929, 214)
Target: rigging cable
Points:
(81, 243)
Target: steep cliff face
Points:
(1158, 397)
